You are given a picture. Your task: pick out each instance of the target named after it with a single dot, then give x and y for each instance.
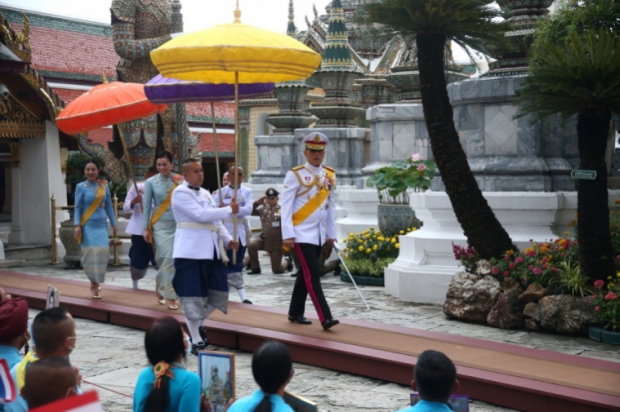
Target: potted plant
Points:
(75, 174)
(394, 184)
(608, 311)
(368, 253)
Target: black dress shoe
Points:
(198, 347)
(248, 267)
(329, 323)
(299, 319)
(338, 270)
(291, 265)
(294, 275)
(247, 301)
(202, 330)
(254, 272)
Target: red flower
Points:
(511, 265)
(596, 309)
(495, 270)
(506, 273)
(599, 284)
(519, 259)
(611, 296)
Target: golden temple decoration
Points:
(14, 153)
(16, 122)
(19, 43)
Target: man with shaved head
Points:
(199, 279)
(49, 380)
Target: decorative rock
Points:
(509, 283)
(483, 268)
(567, 314)
(533, 293)
(508, 311)
(532, 310)
(470, 298)
(531, 325)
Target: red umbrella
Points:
(105, 105)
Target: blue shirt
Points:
(249, 403)
(10, 354)
(156, 190)
(85, 193)
(184, 390)
(426, 406)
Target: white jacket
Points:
(244, 198)
(191, 206)
(134, 227)
(320, 225)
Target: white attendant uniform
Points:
(140, 253)
(199, 278)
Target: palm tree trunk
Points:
(593, 234)
(482, 229)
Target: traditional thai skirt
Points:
(95, 249)
(163, 234)
(235, 272)
(140, 255)
(200, 283)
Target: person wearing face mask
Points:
(166, 386)
(53, 331)
(14, 332)
(49, 380)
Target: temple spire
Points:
(337, 55)
(237, 14)
(291, 30)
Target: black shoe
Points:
(254, 272)
(291, 265)
(202, 330)
(248, 267)
(198, 346)
(294, 275)
(329, 323)
(248, 301)
(299, 319)
(338, 270)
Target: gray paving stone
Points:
(112, 356)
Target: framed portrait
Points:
(299, 403)
(53, 298)
(458, 403)
(217, 375)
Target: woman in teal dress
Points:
(93, 205)
(159, 225)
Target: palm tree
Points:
(581, 77)
(469, 23)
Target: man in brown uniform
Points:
(270, 239)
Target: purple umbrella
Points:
(160, 90)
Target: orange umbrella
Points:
(105, 105)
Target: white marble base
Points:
(426, 263)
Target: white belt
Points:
(239, 221)
(196, 225)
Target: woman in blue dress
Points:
(166, 386)
(159, 225)
(272, 368)
(93, 206)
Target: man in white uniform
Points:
(308, 221)
(140, 253)
(244, 199)
(200, 279)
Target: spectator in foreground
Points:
(53, 331)
(272, 369)
(166, 386)
(14, 332)
(435, 380)
(49, 380)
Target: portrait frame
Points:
(53, 297)
(217, 378)
(299, 403)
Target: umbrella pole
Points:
(235, 236)
(217, 155)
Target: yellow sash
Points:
(162, 208)
(91, 209)
(313, 204)
(20, 373)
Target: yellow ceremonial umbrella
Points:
(235, 53)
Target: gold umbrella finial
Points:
(105, 79)
(237, 14)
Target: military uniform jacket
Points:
(244, 198)
(191, 206)
(301, 186)
(271, 224)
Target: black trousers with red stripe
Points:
(309, 283)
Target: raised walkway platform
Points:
(498, 373)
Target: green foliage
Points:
(570, 279)
(393, 182)
(469, 23)
(369, 252)
(607, 303)
(76, 161)
(566, 78)
(120, 189)
(367, 267)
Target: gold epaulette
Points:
(296, 168)
(329, 168)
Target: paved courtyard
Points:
(112, 356)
